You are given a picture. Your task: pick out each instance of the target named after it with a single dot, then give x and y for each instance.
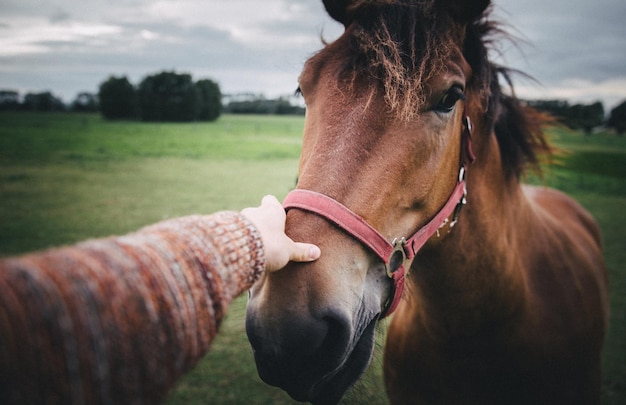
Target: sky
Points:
(574, 49)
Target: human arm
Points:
(121, 318)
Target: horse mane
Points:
(405, 43)
(518, 127)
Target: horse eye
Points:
(449, 99)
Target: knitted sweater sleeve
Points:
(118, 320)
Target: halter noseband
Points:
(397, 255)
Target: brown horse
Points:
(505, 300)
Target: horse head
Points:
(386, 114)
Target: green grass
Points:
(64, 178)
(68, 177)
(87, 138)
(592, 169)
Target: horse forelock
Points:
(403, 44)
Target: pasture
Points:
(64, 178)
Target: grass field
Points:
(65, 178)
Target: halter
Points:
(397, 255)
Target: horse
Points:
(411, 182)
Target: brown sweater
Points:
(118, 320)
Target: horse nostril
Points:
(296, 349)
(301, 336)
(337, 337)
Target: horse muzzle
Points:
(314, 352)
(311, 362)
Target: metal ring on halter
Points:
(397, 258)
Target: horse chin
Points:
(332, 387)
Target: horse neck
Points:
(470, 278)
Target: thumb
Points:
(304, 252)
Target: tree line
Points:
(44, 101)
(250, 103)
(171, 96)
(583, 117)
(164, 96)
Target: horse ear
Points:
(338, 10)
(465, 11)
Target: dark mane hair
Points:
(402, 44)
(518, 128)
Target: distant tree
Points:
(117, 98)
(85, 102)
(45, 101)
(210, 100)
(284, 107)
(617, 119)
(578, 116)
(258, 104)
(168, 96)
(9, 100)
(559, 109)
(586, 116)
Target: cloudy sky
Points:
(576, 49)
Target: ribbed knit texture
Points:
(118, 320)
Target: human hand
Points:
(269, 218)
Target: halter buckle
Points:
(397, 258)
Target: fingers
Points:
(269, 219)
(270, 199)
(304, 252)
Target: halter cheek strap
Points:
(397, 255)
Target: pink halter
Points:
(397, 255)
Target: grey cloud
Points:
(570, 38)
(567, 39)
